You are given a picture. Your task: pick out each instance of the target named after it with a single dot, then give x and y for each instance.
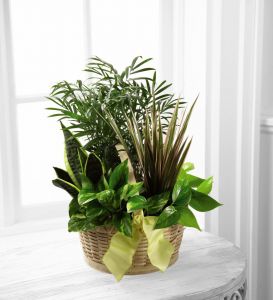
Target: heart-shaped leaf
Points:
(105, 198)
(156, 203)
(188, 219)
(206, 186)
(181, 194)
(86, 197)
(136, 203)
(203, 202)
(168, 217)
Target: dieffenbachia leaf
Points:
(206, 186)
(105, 198)
(136, 203)
(156, 203)
(119, 176)
(202, 202)
(71, 156)
(93, 168)
(181, 194)
(95, 210)
(67, 186)
(188, 219)
(168, 217)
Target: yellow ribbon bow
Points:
(119, 256)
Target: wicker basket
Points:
(96, 242)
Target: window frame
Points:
(11, 208)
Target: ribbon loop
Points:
(119, 256)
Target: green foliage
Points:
(133, 90)
(160, 159)
(186, 194)
(132, 109)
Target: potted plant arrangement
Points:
(125, 150)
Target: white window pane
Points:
(40, 148)
(123, 29)
(48, 43)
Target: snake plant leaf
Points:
(136, 203)
(168, 217)
(72, 159)
(119, 176)
(111, 157)
(157, 202)
(206, 186)
(67, 186)
(105, 198)
(188, 219)
(93, 168)
(123, 223)
(62, 174)
(202, 202)
(181, 194)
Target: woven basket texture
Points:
(96, 242)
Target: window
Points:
(51, 40)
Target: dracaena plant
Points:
(132, 90)
(165, 174)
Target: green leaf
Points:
(79, 224)
(72, 160)
(62, 174)
(74, 207)
(194, 181)
(168, 217)
(206, 186)
(181, 194)
(67, 186)
(95, 210)
(86, 184)
(102, 184)
(86, 197)
(123, 223)
(136, 203)
(105, 198)
(131, 189)
(156, 203)
(93, 168)
(188, 166)
(188, 219)
(119, 176)
(203, 202)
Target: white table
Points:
(50, 265)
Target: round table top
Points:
(51, 264)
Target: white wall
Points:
(265, 240)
